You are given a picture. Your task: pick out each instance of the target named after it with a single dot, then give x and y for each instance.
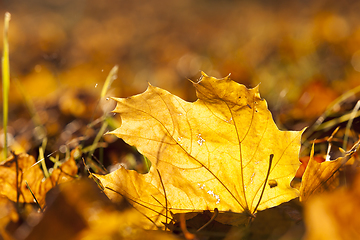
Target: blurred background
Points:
(304, 54)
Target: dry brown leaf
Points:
(320, 177)
(223, 151)
(13, 185)
(12, 182)
(334, 215)
(304, 162)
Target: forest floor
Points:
(305, 57)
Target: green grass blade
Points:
(110, 78)
(42, 158)
(319, 124)
(97, 139)
(5, 80)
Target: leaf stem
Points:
(267, 177)
(216, 213)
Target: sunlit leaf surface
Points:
(223, 151)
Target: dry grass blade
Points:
(348, 126)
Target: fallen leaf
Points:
(304, 162)
(79, 210)
(334, 215)
(13, 174)
(320, 177)
(20, 168)
(218, 152)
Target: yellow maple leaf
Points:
(223, 151)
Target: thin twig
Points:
(216, 213)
